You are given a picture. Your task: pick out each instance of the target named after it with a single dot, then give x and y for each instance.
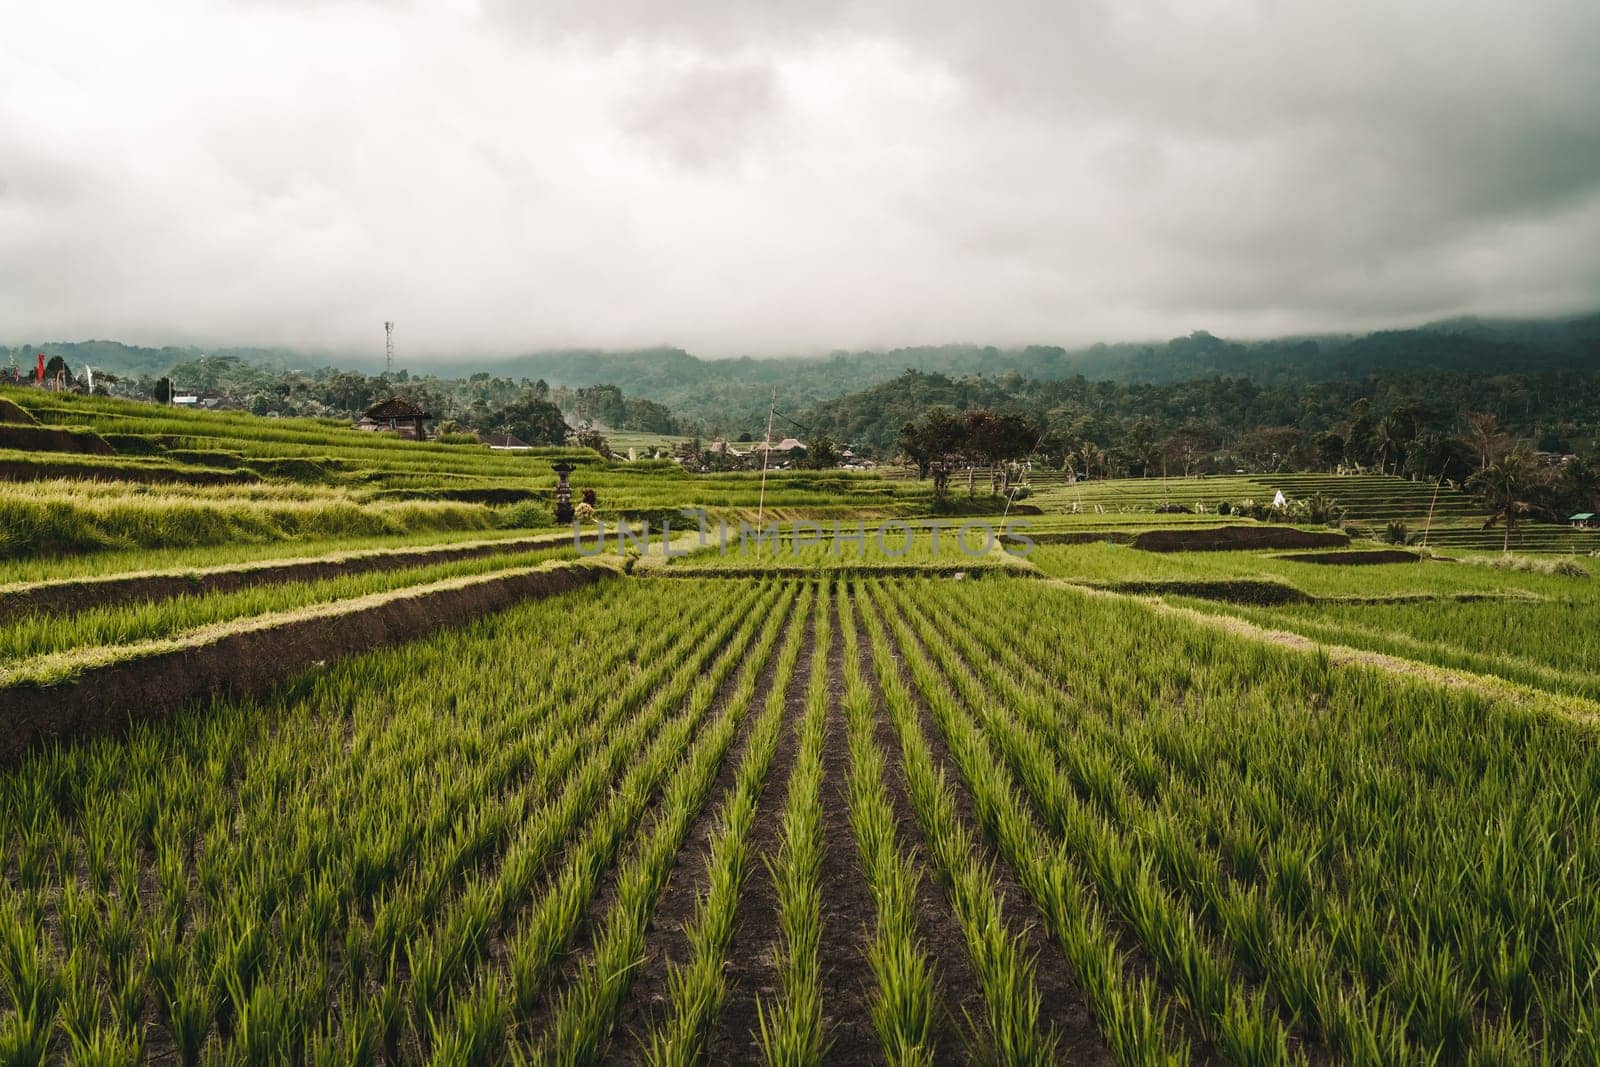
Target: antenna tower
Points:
(388, 348)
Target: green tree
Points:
(1579, 485)
(1388, 441)
(1511, 488)
(536, 421)
(935, 444)
(821, 454)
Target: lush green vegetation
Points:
(38, 635)
(1449, 361)
(816, 549)
(1552, 643)
(27, 570)
(1233, 849)
(1377, 506)
(804, 799)
(1109, 565)
(195, 479)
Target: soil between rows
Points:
(1136, 959)
(847, 904)
(1062, 1002)
(1237, 538)
(666, 940)
(751, 964)
(605, 896)
(959, 990)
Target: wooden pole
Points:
(766, 454)
(1428, 525)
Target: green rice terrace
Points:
(1448, 517)
(327, 747)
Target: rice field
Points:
(861, 786)
(796, 821)
(1551, 643)
(1444, 517)
(165, 479)
(40, 641)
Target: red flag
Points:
(41, 368)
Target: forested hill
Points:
(1556, 410)
(119, 358)
(727, 396)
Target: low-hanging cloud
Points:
(777, 178)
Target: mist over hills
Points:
(726, 395)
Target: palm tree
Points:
(1509, 488)
(1484, 433)
(1388, 439)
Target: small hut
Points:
(396, 415)
(1583, 520)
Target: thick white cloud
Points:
(780, 178)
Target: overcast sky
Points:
(771, 178)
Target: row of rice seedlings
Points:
(1314, 787)
(1058, 766)
(697, 987)
(904, 999)
(1326, 865)
(583, 1017)
(447, 944)
(441, 944)
(791, 1028)
(40, 634)
(381, 924)
(377, 855)
(1004, 970)
(542, 933)
(128, 890)
(1166, 929)
(1127, 1007)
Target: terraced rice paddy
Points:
(465, 798)
(788, 821)
(1449, 517)
(202, 479)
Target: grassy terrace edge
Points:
(77, 694)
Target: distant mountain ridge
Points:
(729, 395)
(732, 394)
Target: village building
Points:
(785, 451)
(396, 415)
(1583, 520)
(208, 399)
